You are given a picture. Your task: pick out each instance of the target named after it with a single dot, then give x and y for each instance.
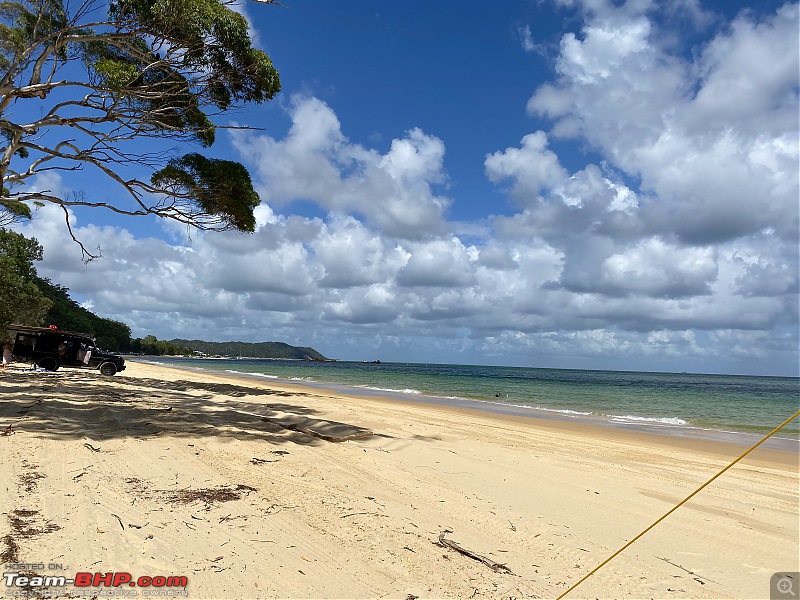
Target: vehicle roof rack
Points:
(50, 330)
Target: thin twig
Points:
(494, 566)
(666, 560)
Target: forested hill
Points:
(67, 314)
(27, 299)
(256, 350)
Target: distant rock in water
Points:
(254, 350)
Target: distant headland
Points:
(251, 349)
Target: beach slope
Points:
(222, 480)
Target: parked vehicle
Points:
(51, 348)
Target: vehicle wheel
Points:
(48, 364)
(108, 368)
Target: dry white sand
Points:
(141, 473)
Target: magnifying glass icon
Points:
(785, 587)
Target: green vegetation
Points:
(254, 350)
(155, 347)
(21, 299)
(145, 77)
(27, 299)
(65, 313)
(138, 69)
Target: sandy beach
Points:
(222, 480)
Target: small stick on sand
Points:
(494, 566)
(668, 561)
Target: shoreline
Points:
(537, 414)
(186, 473)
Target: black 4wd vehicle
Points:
(51, 348)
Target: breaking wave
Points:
(254, 374)
(564, 411)
(661, 420)
(380, 389)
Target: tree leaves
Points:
(219, 187)
(69, 315)
(159, 69)
(21, 300)
(215, 40)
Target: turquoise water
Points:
(674, 401)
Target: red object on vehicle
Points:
(53, 327)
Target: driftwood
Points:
(696, 576)
(494, 566)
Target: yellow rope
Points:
(682, 502)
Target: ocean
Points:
(733, 408)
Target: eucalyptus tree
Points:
(117, 90)
(21, 300)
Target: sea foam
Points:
(661, 420)
(380, 389)
(249, 373)
(564, 411)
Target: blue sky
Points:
(553, 183)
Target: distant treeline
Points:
(27, 299)
(111, 335)
(115, 336)
(65, 313)
(155, 347)
(256, 350)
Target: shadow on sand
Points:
(85, 404)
